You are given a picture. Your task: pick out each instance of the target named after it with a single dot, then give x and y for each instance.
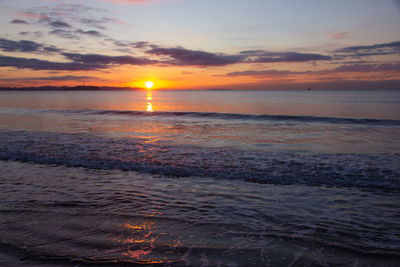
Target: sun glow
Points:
(149, 84)
(149, 107)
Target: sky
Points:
(201, 44)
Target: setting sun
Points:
(149, 84)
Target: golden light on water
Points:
(141, 243)
(149, 107)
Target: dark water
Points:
(276, 178)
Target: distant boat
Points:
(308, 88)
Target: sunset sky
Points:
(200, 44)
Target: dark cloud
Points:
(19, 46)
(56, 16)
(64, 34)
(261, 56)
(261, 73)
(67, 78)
(18, 21)
(369, 50)
(59, 24)
(97, 23)
(336, 84)
(123, 50)
(25, 46)
(141, 45)
(182, 56)
(75, 34)
(365, 68)
(185, 57)
(90, 33)
(127, 46)
(51, 49)
(121, 43)
(342, 69)
(77, 62)
(37, 64)
(65, 9)
(61, 10)
(35, 34)
(371, 47)
(97, 59)
(54, 78)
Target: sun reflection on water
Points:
(141, 234)
(140, 244)
(149, 106)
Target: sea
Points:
(200, 178)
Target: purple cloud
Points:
(261, 56)
(56, 16)
(64, 34)
(54, 78)
(35, 34)
(182, 56)
(26, 46)
(96, 59)
(185, 57)
(69, 34)
(141, 45)
(392, 48)
(37, 64)
(262, 73)
(366, 68)
(371, 47)
(18, 21)
(78, 62)
(59, 24)
(90, 33)
(341, 69)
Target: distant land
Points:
(85, 88)
(69, 88)
(363, 86)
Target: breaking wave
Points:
(97, 151)
(234, 116)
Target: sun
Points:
(149, 84)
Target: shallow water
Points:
(88, 216)
(206, 178)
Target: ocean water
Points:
(200, 178)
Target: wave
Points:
(70, 239)
(236, 116)
(128, 154)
